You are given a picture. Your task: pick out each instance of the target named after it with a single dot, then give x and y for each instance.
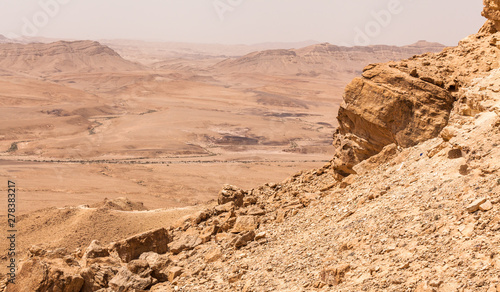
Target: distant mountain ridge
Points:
(322, 59)
(62, 56)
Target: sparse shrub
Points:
(13, 147)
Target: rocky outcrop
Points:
(148, 260)
(58, 274)
(410, 101)
(386, 106)
(492, 12)
(131, 248)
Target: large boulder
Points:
(132, 247)
(98, 275)
(187, 241)
(95, 250)
(492, 12)
(385, 106)
(47, 275)
(158, 264)
(127, 281)
(231, 194)
(245, 223)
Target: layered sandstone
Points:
(409, 101)
(62, 56)
(492, 12)
(321, 59)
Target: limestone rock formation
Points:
(386, 106)
(410, 101)
(131, 248)
(492, 12)
(45, 274)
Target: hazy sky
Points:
(346, 22)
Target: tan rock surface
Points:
(132, 247)
(410, 101)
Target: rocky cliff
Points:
(409, 101)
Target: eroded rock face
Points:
(410, 101)
(492, 12)
(47, 275)
(385, 106)
(131, 248)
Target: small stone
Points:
(249, 200)
(225, 238)
(255, 211)
(467, 230)
(185, 242)
(486, 206)
(233, 278)
(447, 134)
(474, 206)
(213, 256)
(455, 153)
(162, 287)
(260, 235)
(424, 287)
(173, 273)
(224, 208)
(207, 233)
(158, 263)
(244, 239)
(334, 275)
(245, 223)
(139, 267)
(397, 281)
(318, 284)
(435, 283)
(405, 266)
(95, 250)
(464, 169)
(125, 280)
(390, 248)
